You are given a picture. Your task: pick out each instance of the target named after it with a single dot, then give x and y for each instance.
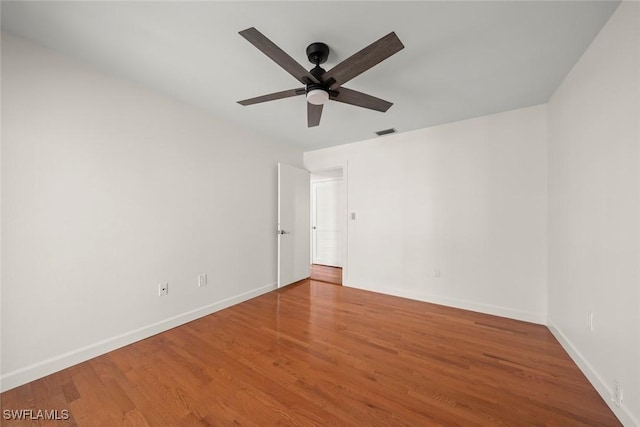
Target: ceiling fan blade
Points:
(361, 61)
(278, 55)
(273, 96)
(313, 114)
(360, 99)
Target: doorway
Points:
(326, 226)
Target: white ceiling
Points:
(461, 59)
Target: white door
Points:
(293, 225)
(325, 220)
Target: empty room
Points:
(336, 213)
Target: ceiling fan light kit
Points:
(320, 85)
(317, 96)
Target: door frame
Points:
(344, 214)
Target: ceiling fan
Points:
(320, 85)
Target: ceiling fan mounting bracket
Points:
(317, 53)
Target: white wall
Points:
(467, 198)
(594, 212)
(108, 190)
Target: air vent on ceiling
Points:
(386, 132)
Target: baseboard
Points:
(43, 368)
(533, 317)
(605, 392)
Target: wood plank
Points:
(318, 354)
(326, 273)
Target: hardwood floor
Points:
(325, 273)
(315, 354)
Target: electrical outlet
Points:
(436, 273)
(590, 321)
(202, 280)
(163, 289)
(617, 393)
